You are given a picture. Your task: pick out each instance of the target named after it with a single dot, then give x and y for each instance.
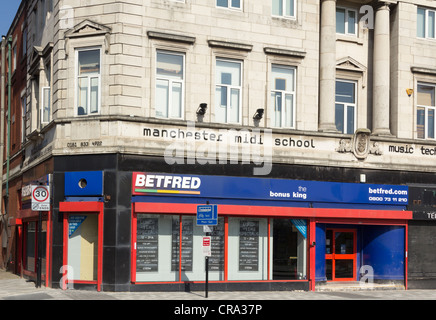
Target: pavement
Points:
(13, 287)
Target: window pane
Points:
(176, 110)
(420, 23)
(169, 65)
(89, 61)
(82, 246)
(350, 119)
(426, 95)
(340, 21)
(236, 3)
(351, 22)
(46, 105)
(221, 103)
(431, 21)
(82, 98)
(430, 122)
(283, 78)
(289, 250)
(289, 115)
(94, 95)
(289, 8)
(420, 123)
(233, 113)
(222, 3)
(339, 117)
(276, 102)
(228, 73)
(345, 92)
(162, 97)
(30, 246)
(277, 8)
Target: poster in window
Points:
(187, 244)
(248, 245)
(216, 261)
(147, 245)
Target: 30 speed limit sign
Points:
(40, 198)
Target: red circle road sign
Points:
(40, 194)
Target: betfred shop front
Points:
(271, 234)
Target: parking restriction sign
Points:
(40, 198)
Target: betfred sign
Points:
(152, 183)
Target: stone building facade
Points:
(301, 90)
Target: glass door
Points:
(340, 254)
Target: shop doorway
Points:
(340, 254)
(83, 243)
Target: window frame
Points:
(43, 104)
(426, 109)
(346, 105)
(284, 93)
(229, 88)
(170, 82)
(283, 15)
(426, 20)
(76, 81)
(346, 26)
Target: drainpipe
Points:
(8, 156)
(2, 138)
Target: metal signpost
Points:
(207, 215)
(40, 202)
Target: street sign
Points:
(207, 251)
(40, 198)
(207, 215)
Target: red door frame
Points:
(92, 207)
(338, 256)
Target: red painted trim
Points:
(312, 254)
(134, 238)
(92, 207)
(268, 250)
(226, 248)
(336, 256)
(180, 248)
(406, 268)
(264, 211)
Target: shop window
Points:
(30, 260)
(289, 249)
(158, 246)
(31, 246)
(83, 246)
(248, 249)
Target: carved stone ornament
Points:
(359, 145)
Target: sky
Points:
(8, 9)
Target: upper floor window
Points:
(425, 120)
(345, 106)
(346, 21)
(426, 23)
(169, 85)
(283, 8)
(283, 96)
(228, 91)
(88, 81)
(231, 4)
